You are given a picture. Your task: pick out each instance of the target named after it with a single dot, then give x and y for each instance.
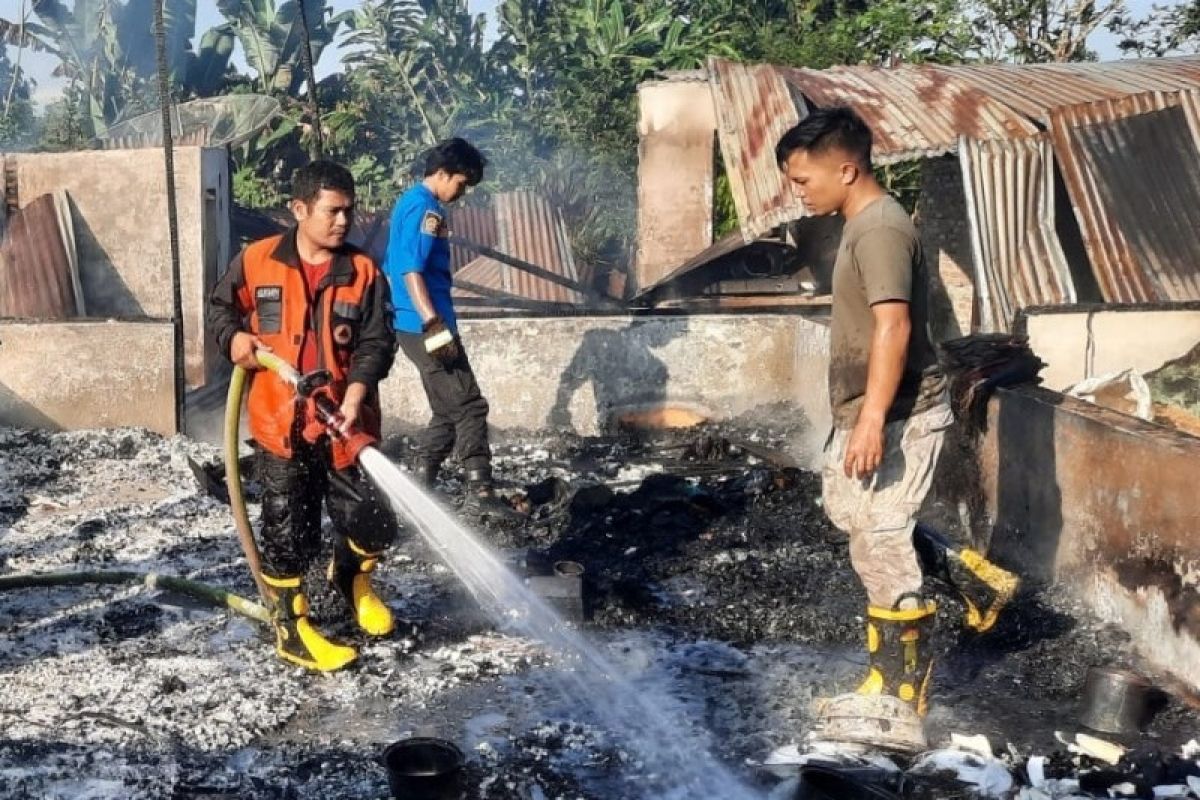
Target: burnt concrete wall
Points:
(582, 372)
(1083, 342)
(119, 209)
(677, 126)
(1106, 504)
(941, 218)
(87, 374)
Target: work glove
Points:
(440, 342)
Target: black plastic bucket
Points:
(424, 768)
(820, 781)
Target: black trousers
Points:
(293, 488)
(459, 408)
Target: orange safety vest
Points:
(280, 309)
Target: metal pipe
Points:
(164, 99)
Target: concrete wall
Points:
(119, 210)
(1082, 342)
(1104, 503)
(942, 221)
(582, 372)
(675, 175)
(87, 374)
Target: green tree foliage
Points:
(271, 36)
(1040, 31)
(18, 124)
(106, 50)
(1166, 29)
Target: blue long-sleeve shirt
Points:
(417, 243)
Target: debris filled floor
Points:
(711, 570)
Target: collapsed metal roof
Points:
(1019, 261)
(913, 111)
(1132, 174)
(1132, 168)
(1035, 89)
(529, 229)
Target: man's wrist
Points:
(870, 416)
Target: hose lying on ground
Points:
(152, 580)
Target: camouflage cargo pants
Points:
(879, 513)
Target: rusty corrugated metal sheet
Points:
(38, 278)
(528, 228)
(913, 111)
(1132, 169)
(477, 223)
(1035, 89)
(1019, 262)
(754, 108)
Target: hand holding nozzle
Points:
(244, 350)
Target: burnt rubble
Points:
(710, 569)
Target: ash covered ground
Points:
(711, 571)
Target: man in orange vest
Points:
(317, 303)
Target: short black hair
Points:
(825, 129)
(309, 180)
(458, 157)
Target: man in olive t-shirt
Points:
(887, 393)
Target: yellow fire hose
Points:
(233, 476)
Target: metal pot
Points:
(1115, 700)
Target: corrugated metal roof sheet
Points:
(38, 278)
(754, 108)
(1035, 89)
(475, 223)
(528, 228)
(1019, 262)
(1132, 169)
(913, 111)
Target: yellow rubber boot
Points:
(350, 572)
(296, 640)
(984, 587)
(899, 665)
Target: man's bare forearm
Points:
(885, 366)
(415, 283)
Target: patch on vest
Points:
(432, 224)
(268, 293)
(342, 334)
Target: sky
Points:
(40, 66)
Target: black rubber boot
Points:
(425, 472)
(482, 503)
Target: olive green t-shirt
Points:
(880, 259)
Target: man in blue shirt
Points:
(418, 267)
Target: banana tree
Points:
(106, 47)
(272, 36)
